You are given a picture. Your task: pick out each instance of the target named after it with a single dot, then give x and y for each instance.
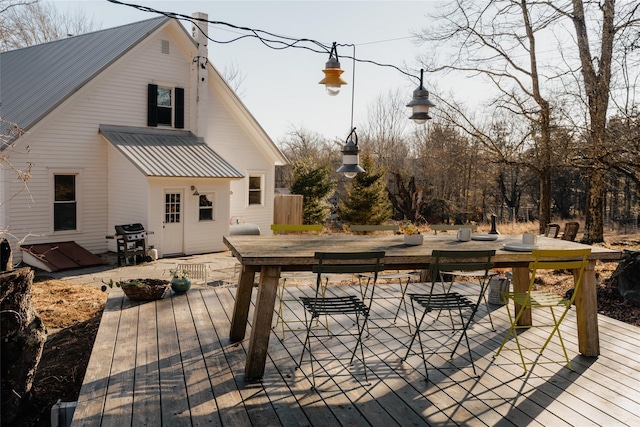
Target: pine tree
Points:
(367, 200)
(315, 184)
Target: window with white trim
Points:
(256, 190)
(65, 203)
(206, 207)
(165, 106)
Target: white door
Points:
(172, 228)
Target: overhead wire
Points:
(269, 39)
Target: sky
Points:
(280, 87)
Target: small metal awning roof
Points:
(168, 153)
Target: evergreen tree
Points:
(367, 200)
(315, 184)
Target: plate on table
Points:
(519, 247)
(483, 236)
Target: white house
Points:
(130, 125)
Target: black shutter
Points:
(179, 120)
(152, 105)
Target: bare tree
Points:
(27, 23)
(6, 5)
(625, 132)
(615, 25)
(384, 135)
(304, 144)
(445, 165)
(498, 40)
(234, 78)
(7, 144)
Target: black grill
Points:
(132, 244)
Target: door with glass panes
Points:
(172, 227)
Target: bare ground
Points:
(72, 314)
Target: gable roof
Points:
(168, 152)
(36, 79)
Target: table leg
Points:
(241, 307)
(587, 313)
(262, 319)
(521, 284)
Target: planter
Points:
(144, 289)
(413, 239)
(180, 286)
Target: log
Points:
(6, 259)
(23, 336)
(625, 277)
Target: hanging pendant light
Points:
(332, 72)
(420, 104)
(350, 157)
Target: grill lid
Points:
(129, 228)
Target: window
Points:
(165, 106)
(205, 208)
(65, 212)
(172, 208)
(255, 189)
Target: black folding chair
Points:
(453, 302)
(350, 305)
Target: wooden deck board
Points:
(94, 386)
(146, 403)
(254, 396)
(231, 410)
(202, 404)
(174, 402)
(118, 406)
(171, 363)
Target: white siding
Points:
(54, 148)
(128, 193)
(231, 138)
(199, 237)
(120, 94)
(111, 190)
(68, 139)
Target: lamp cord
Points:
(353, 85)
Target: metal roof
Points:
(59, 256)
(36, 79)
(168, 153)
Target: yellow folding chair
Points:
(575, 260)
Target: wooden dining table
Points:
(270, 255)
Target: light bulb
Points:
(332, 90)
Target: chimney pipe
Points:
(200, 33)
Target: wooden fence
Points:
(287, 209)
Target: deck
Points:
(171, 363)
